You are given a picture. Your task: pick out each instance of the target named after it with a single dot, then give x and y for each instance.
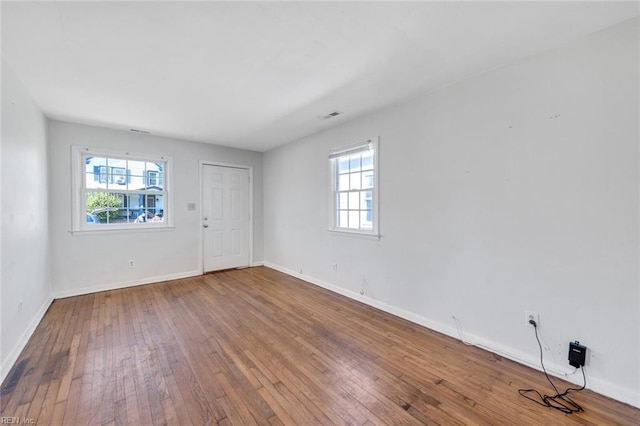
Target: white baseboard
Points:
(628, 396)
(124, 284)
(12, 357)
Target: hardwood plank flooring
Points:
(255, 346)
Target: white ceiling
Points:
(256, 75)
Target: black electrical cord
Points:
(559, 401)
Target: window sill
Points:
(112, 231)
(356, 234)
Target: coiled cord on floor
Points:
(559, 401)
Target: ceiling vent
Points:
(330, 115)
(140, 131)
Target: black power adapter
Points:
(559, 401)
(577, 354)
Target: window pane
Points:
(153, 181)
(154, 172)
(354, 219)
(95, 172)
(157, 166)
(117, 163)
(126, 214)
(354, 202)
(365, 200)
(142, 216)
(92, 180)
(366, 220)
(155, 206)
(137, 167)
(104, 207)
(343, 182)
(107, 173)
(119, 179)
(160, 182)
(146, 207)
(136, 205)
(367, 160)
(354, 180)
(137, 175)
(343, 164)
(91, 162)
(343, 219)
(367, 179)
(354, 163)
(343, 199)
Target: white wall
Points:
(516, 190)
(25, 283)
(87, 263)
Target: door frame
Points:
(202, 165)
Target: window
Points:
(354, 194)
(103, 174)
(119, 190)
(152, 177)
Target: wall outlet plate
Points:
(531, 315)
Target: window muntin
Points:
(119, 191)
(354, 188)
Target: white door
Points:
(225, 217)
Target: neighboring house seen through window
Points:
(119, 190)
(355, 188)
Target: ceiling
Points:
(256, 75)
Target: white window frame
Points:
(334, 154)
(78, 182)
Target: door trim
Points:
(202, 165)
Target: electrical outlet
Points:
(132, 264)
(335, 267)
(531, 315)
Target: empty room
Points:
(320, 213)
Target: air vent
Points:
(330, 115)
(140, 131)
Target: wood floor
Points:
(255, 346)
